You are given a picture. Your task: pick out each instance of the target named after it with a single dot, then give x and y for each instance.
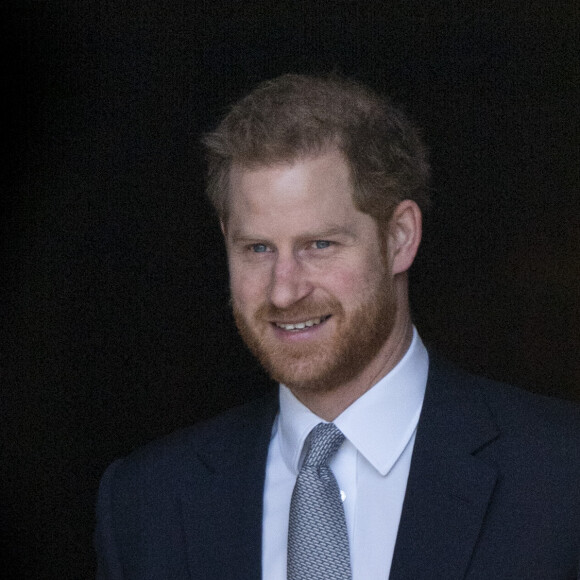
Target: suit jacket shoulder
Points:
(222, 437)
(189, 503)
(493, 488)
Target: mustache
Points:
(303, 310)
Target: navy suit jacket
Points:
(493, 492)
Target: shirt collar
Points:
(379, 424)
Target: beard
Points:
(324, 364)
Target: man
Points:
(319, 185)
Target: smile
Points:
(302, 325)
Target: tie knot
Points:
(324, 440)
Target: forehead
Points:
(307, 194)
(302, 179)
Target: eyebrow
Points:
(240, 236)
(329, 233)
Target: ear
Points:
(223, 228)
(405, 229)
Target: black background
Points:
(115, 322)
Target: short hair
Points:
(294, 116)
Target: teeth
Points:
(300, 325)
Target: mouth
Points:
(295, 326)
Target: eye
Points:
(322, 244)
(259, 248)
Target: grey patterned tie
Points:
(317, 536)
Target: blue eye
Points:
(259, 248)
(321, 244)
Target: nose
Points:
(289, 283)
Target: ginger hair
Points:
(297, 116)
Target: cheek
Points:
(354, 288)
(352, 285)
(247, 287)
(345, 284)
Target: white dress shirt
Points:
(371, 467)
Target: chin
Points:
(311, 375)
(300, 374)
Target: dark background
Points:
(115, 324)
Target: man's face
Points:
(312, 293)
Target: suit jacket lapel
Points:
(233, 470)
(449, 489)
